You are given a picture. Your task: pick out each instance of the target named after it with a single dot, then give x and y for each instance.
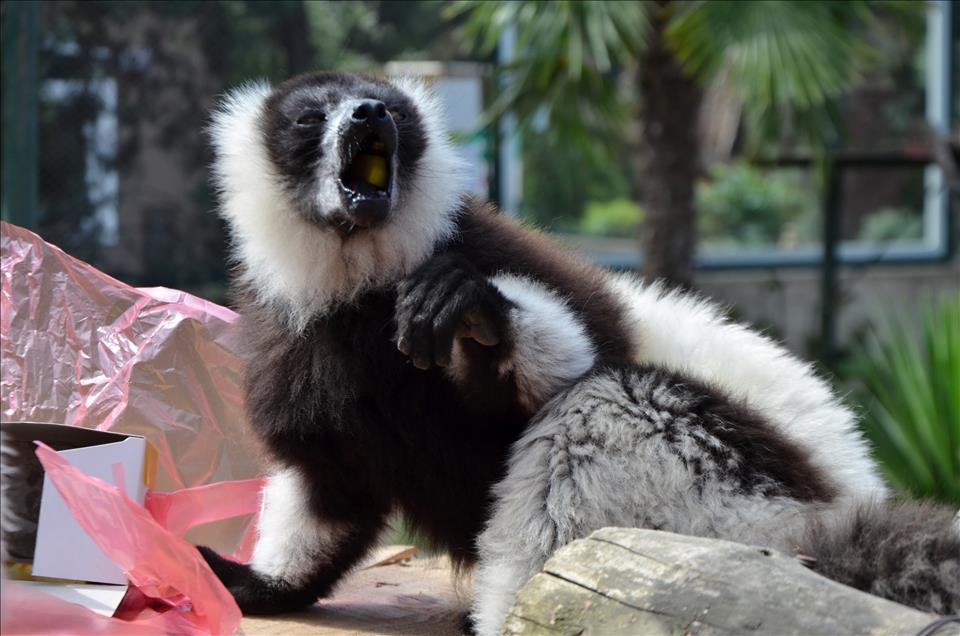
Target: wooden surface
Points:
(415, 597)
(625, 581)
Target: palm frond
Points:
(788, 59)
(567, 54)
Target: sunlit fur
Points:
(607, 400)
(552, 348)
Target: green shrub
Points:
(741, 205)
(619, 217)
(910, 388)
(891, 224)
(559, 181)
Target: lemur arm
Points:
(508, 311)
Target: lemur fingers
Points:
(445, 299)
(477, 326)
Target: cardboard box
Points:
(63, 549)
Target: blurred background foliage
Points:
(910, 389)
(157, 68)
(738, 204)
(660, 104)
(596, 70)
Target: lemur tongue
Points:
(372, 169)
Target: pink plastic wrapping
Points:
(24, 610)
(183, 509)
(151, 553)
(161, 565)
(81, 348)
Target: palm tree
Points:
(787, 61)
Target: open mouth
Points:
(367, 180)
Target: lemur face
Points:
(346, 148)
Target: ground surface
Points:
(415, 597)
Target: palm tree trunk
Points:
(293, 30)
(668, 163)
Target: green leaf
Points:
(911, 390)
(787, 60)
(783, 56)
(567, 52)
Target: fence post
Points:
(829, 273)
(19, 179)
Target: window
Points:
(890, 192)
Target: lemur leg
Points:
(298, 557)
(631, 448)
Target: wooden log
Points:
(629, 581)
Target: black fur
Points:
(497, 244)
(255, 594)
(369, 430)
(908, 552)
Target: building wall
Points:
(786, 301)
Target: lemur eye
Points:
(311, 118)
(397, 115)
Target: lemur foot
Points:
(444, 299)
(254, 593)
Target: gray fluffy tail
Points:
(908, 552)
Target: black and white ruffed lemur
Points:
(412, 350)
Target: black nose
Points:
(370, 109)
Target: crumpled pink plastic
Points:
(27, 610)
(183, 509)
(81, 348)
(24, 610)
(160, 564)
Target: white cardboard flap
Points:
(102, 599)
(64, 550)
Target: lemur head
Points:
(332, 184)
(344, 147)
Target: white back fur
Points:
(298, 268)
(686, 334)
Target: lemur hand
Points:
(444, 299)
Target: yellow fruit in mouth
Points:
(373, 169)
